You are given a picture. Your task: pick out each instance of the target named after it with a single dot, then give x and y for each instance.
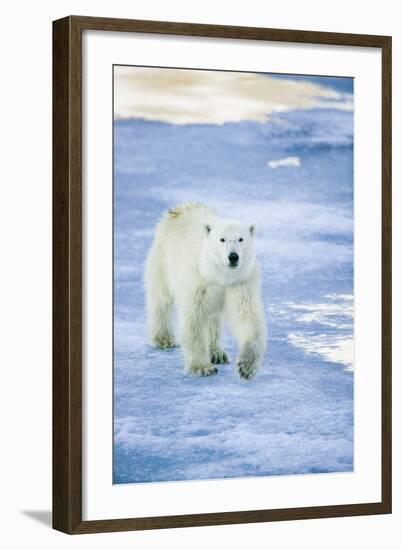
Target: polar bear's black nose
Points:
(233, 258)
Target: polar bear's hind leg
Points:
(159, 303)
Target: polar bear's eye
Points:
(222, 240)
(240, 239)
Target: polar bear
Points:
(205, 267)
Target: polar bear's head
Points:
(228, 253)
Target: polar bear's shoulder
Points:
(184, 221)
(194, 209)
(185, 215)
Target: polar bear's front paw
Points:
(246, 368)
(164, 342)
(203, 370)
(219, 357)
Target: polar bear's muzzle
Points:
(233, 259)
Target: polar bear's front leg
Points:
(217, 354)
(194, 318)
(245, 312)
(250, 358)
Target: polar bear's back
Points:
(178, 240)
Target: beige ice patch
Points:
(184, 96)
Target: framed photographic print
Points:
(221, 274)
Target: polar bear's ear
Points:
(252, 229)
(207, 228)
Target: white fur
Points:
(188, 267)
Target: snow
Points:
(288, 161)
(296, 415)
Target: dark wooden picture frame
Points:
(67, 274)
